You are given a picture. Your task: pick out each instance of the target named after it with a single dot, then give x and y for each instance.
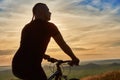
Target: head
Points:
(41, 11)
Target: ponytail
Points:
(33, 17)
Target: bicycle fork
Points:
(59, 75)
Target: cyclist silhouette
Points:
(35, 37)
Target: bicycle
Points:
(58, 75)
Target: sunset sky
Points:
(90, 27)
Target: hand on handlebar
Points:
(48, 58)
(75, 61)
(52, 60)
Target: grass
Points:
(76, 72)
(112, 75)
(6, 75)
(82, 71)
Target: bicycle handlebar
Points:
(53, 60)
(59, 62)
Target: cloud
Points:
(115, 44)
(93, 8)
(1, 9)
(1, 0)
(73, 48)
(6, 52)
(74, 6)
(90, 22)
(2, 23)
(85, 24)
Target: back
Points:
(34, 40)
(36, 34)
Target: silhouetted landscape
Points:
(86, 71)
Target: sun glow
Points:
(91, 28)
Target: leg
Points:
(37, 74)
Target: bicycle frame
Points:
(56, 75)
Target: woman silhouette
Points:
(35, 37)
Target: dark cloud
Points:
(7, 52)
(115, 44)
(1, 0)
(1, 9)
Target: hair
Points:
(36, 7)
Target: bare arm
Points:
(60, 41)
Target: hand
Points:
(46, 56)
(75, 61)
(52, 60)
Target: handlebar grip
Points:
(52, 60)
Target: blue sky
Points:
(96, 6)
(88, 26)
(101, 5)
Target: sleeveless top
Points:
(35, 37)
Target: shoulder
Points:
(26, 27)
(53, 29)
(51, 24)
